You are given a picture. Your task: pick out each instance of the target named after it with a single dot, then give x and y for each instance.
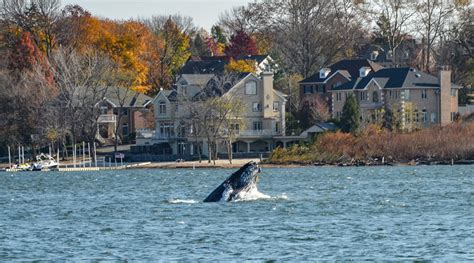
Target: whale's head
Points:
(242, 180)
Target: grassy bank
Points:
(434, 145)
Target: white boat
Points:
(44, 161)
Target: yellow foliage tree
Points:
(242, 65)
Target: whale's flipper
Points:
(216, 195)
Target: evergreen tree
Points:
(350, 120)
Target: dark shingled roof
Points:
(352, 66)
(131, 98)
(212, 65)
(394, 78)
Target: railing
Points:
(258, 133)
(152, 134)
(107, 118)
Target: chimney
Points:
(445, 96)
(267, 78)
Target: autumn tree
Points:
(38, 17)
(170, 55)
(241, 65)
(241, 44)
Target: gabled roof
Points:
(129, 98)
(348, 66)
(216, 64)
(214, 88)
(390, 78)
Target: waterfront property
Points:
(261, 126)
(421, 99)
(126, 109)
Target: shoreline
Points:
(237, 163)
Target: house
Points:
(406, 54)
(263, 118)
(135, 114)
(261, 126)
(319, 85)
(421, 99)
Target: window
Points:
(162, 108)
(424, 94)
(124, 112)
(453, 116)
(176, 107)
(103, 110)
(235, 127)
(434, 118)
(166, 129)
(276, 106)
(417, 116)
(389, 55)
(338, 96)
(125, 129)
(251, 88)
(257, 107)
(338, 114)
(424, 116)
(375, 96)
(277, 127)
(407, 94)
(364, 95)
(257, 126)
(307, 89)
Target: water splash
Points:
(182, 201)
(251, 195)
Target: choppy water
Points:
(383, 213)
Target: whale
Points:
(241, 181)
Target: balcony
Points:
(258, 133)
(107, 118)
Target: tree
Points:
(214, 113)
(393, 20)
(82, 82)
(350, 119)
(241, 44)
(434, 16)
(170, 54)
(38, 17)
(241, 65)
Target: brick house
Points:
(136, 109)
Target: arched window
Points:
(375, 96)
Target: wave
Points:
(182, 201)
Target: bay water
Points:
(309, 213)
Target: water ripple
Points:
(337, 214)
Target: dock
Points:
(83, 169)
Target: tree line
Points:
(58, 62)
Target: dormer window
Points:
(374, 55)
(364, 71)
(324, 72)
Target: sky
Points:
(205, 13)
